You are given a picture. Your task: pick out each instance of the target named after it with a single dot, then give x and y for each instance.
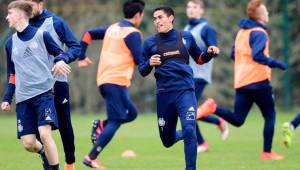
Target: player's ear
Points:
(172, 18)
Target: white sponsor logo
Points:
(190, 114)
(47, 114)
(48, 118)
(191, 109)
(65, 101)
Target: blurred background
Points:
(223, 15)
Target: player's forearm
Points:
(145, 68)
(74, 49)
(9, 92)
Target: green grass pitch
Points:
(240, 152)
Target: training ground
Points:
(240, 152)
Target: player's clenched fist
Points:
(5, 106)
(155, 60)
(85, 62)
(213, 50)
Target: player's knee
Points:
(45, 137)
(29, 145)
(167, 141)
(134, 115)
(239, 122)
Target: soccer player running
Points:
(168, 52)
(29, 76)
(288, 130)
(63, 36)
(252, 77)
(205, 36)
(121, 51)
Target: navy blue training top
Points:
(64, 32)
(172, 76)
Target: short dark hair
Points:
(132, 7)
(167, 10)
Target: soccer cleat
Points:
(208, 107)
(202, 147)
(224, 129)
(287, 134)
(97, 129)
(271, 156)
(69, 166)
(93, 163)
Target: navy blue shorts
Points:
(172, 105)
(117, 101)
(35, 112)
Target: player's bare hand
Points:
(213, 50)
(61, 68)
(84, 63)
(155, 60)
(5, 106)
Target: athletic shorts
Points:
(35, 112)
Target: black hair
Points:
(132, 7)
(167, 10)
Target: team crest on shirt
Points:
(33, 45)
(115, 31)
(190, 114)
(20, 127)
(15, 51)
